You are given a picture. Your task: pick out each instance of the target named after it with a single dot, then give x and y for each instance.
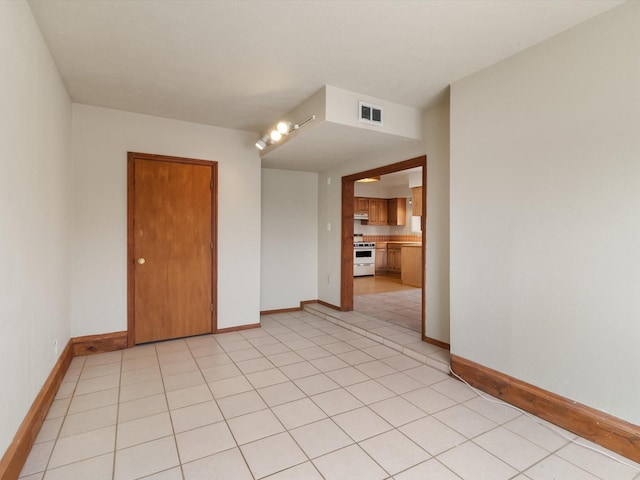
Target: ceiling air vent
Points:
(370, 113)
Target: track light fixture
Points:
(282, 129)
(262, 143)
(275, 136)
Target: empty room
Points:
(364, 240)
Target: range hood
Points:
(361, 216)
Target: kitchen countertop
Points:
(405, 244)
(398, 244)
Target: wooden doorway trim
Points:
(131, 158)
(348, 188)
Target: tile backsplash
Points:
(392, 238)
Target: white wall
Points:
(289, 252)
(101, 139)
(545, 224)
(342, 107)
(436, 142)
(35, 168)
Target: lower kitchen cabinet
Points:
(411, 266)
(394, 264)
(381, 258)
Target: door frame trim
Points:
(131, 158)
(348, 187)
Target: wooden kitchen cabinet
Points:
(381, 257)
(373, 211)
(381, 205)
(411, 265)
(382, 211)
(394, 260)
(361, 205)
(396, 211)
(416, 193)
(377, 211)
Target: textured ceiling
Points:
(242, 64)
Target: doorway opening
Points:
(368, 293)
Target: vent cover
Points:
(368, 113)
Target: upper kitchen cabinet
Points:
(382, 211)
(417, 201)
(361, 205)
(397, 211)
(378, 211)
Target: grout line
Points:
(311, 321)
(115, 436)
(435, 363)
(224, 419)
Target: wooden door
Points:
(171, 255)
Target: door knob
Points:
(141, 261)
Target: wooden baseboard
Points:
(307, 302)
(611, 432)
(319, 302)
(280, 310)
(288, 310)
(238, 328)
(329, 305)
(16, 455)
(437, 343)
(106, 342)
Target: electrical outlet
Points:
(55, 347)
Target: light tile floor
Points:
(387, 336)
(300, 398)
(402, 308)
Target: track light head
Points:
(262, 143)
(275, 135)
(283, 127)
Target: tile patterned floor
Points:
(300, 398)
(403, 308)
(398, 338)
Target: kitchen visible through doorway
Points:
(392, 293)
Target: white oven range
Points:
(364, 259)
